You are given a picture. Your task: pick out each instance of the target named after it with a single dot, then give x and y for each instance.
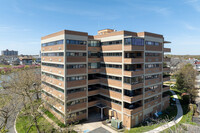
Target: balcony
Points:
(93, 70)
(153, 48)
(152, 103)
(93, 103)
(152, 70)
(112, 59)
(76, 95)
(133, 98)
(167, 59)
(111, 47)
(59, 71)
(93, 81)
(166, 88)
(111, 93)
(133, 86)
(153, 59)
(76, 71)
(75, 47)
(53, 81)
(93, 92)
(94, 59)
(152, 92)
(132, 108)
(133, 47)
(133, 60)
(152, 81)
(76, 59)
(76, 83)
(111, 82)
(132, 73)
(77, 107)
(59, 59)
(167, 49)
(53, 48)
(117, 71)
(56, 93)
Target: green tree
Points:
(185, 81)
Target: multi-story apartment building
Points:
(118, 74)
(9, 53)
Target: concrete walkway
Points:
(173, 122)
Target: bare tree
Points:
(27, 85)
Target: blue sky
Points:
(23, 22)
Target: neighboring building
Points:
(118, 74)
(9, 53)
(26, 60)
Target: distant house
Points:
(15, 62)
(26, 60)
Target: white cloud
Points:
(194, 4)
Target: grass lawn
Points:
(52, 117)
(142, 128)
(22, 124)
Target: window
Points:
(152, 43)
(152, 54)
(76, 66)
(111, 88)
(112, 42)
(93, 43)
(151, 88)
(53, 76)
(75, 54)
(76, 102)
(52, 43)
(53, 65)
(76, 42)
(53, 54)
(93, 65)
(76, 78)
(133, 80)
(152, 65)
(151, 76)
(111, 66)
(134, 41)
(53, 87)
(76, 90)
(111, 77)
(112, 54)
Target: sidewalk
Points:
(173, 122)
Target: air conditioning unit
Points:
(59, 48)
(50, 59)
(59, 59)
(60, 84)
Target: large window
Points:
(112, 54)
(111, 77)
(111, 66)
(77, 113)
(110, 99)
(111, 88)
(76, 102)
(134, 41)
(76, 66)
(53, 54)
(151, 99)
(76, 54)
(76, 90)
(152, 77)
(53, 87)
(152, 43)
(94, 54)
(53, 76)
(133, 80)
(152, 65)
(152, 54)
(52, 43)
(53, 65)
(76, 42)
(93, 43)
(112, 42)
(93, 65)
(75, 78)
(151, 88)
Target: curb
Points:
(15, 123)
